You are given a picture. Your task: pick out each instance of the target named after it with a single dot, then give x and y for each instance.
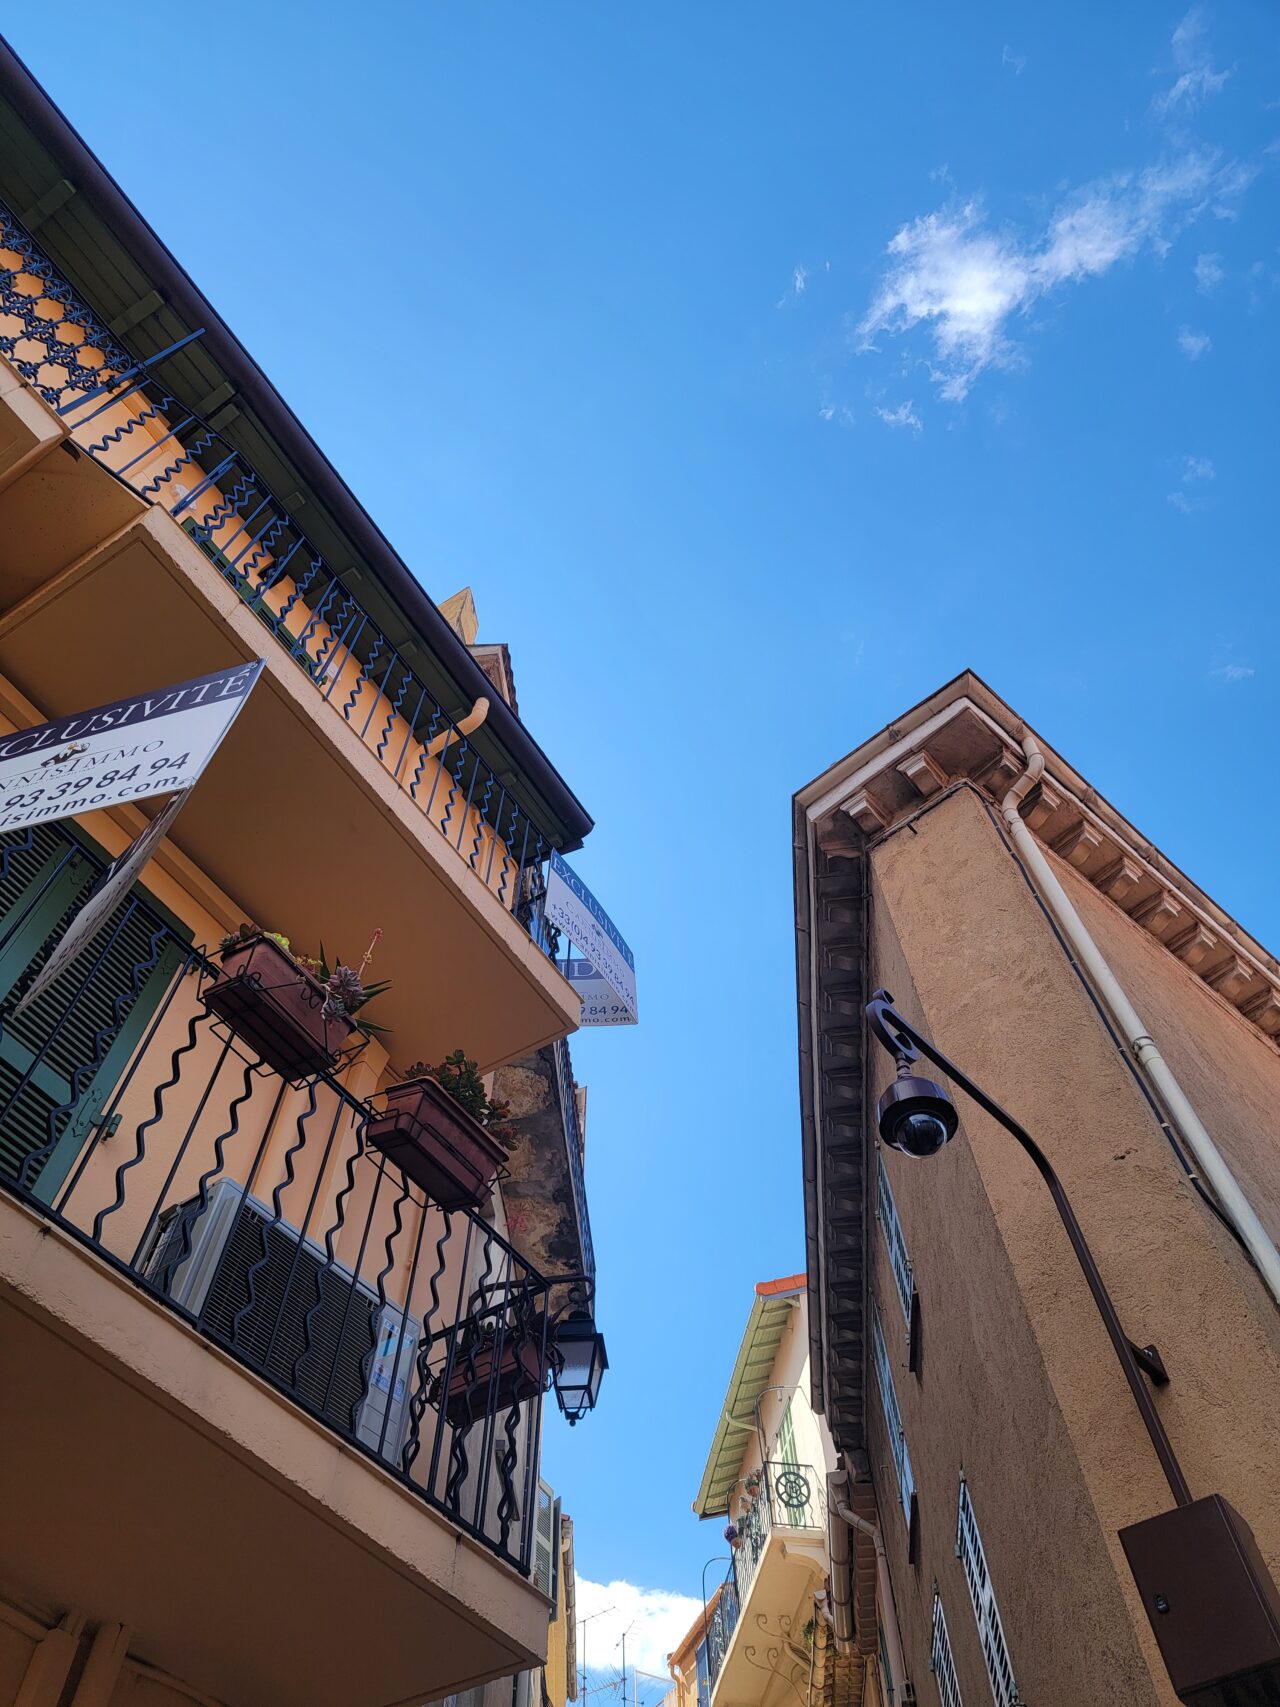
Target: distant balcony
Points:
(243, 1271)
(783, 1526)
(85, 553)
(790, 1499)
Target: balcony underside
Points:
(296, 818)
(779, 1601)
(147, 1479)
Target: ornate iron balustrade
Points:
(574, 1145)
(120, 413)
(790, 1497)
(257, 1210)
(720, 1627)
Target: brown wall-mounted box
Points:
(1211, 1601)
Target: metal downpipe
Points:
(1169, 1093)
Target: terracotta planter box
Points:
(277, 1008)
(435, 1143)
(519, 1377)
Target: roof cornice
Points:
(965, 732)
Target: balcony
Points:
(139, 547)
(280, 1412)
(779, 1556)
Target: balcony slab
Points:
(149, 1480)
(295, 819)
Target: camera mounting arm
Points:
(902, 1040)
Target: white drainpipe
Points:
(1186, 1122)
(842, 1584)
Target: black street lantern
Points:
(579, 1364)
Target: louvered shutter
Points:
(546, 1541)
(62, 1056)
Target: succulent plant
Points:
(346, 992)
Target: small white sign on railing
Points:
(605, 976)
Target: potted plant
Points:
(440, 1128)
(484, 1380)
(294, 1012)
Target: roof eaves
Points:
(91, 179)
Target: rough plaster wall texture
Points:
(994, 988)
(1230, 1071)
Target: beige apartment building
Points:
(283, 1296)
(987, 1428)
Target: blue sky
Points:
(760, 367)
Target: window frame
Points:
(892, 1417)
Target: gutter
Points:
(91, 178)
(809, 1154)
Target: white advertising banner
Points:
(132, 749)
(606, 977)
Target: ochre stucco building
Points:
(981, 1416)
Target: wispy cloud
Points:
(654, 1620)
(951, 273)
(798, 278)
(838, 412)
(1196, 471)
(1209, 274)
(1193, 344)
(1017, 62)
(903, 416)
(1196, 78)
(1233, 672)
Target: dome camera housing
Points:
(916, 1116)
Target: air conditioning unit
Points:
(342, 1366)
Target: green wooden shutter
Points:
(61, 1058)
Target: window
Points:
(546, 1546)
(990, 1632)
(785, 1446)
(61, 1058)
(899, 1261)
(892, 1416)
(940, 1662)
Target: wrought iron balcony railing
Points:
(789, 1497)
(120, 413)
(257, 1210)
(720, 1627)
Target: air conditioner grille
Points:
(284, 1291)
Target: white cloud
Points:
(1209, 273)
(951, 273)
(654, 1620)
(903, 416)
(1196, 79)
(1018, 61)
(798, 278)
(1193, 344)
(1233, 672)
(838, 412)
(1196, 471)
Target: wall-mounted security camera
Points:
(916, 1116)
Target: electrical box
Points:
(1212, 1604)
